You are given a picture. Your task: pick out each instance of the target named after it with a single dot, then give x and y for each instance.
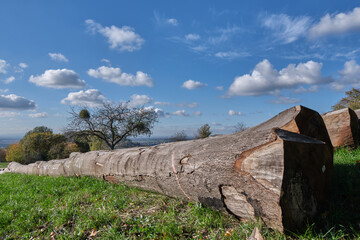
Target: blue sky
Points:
(194, 62)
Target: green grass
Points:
(80, 208)
(3, 164)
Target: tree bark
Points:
(343, 127)
(265, 172)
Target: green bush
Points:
(16, 153)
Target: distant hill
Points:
(4, 142)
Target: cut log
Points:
(266, 173)
(343, 127)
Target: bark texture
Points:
(343, 127)
(265, 172)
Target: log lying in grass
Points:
(343, 127)
(264, 172)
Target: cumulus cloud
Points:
(158, 111)
(7, 114)
(192, 37)
(181, 113)
(59, 78)
(115, 75)
(264, 79)
(219, 88)
(88, 98)
(105, 60)
(191, 85)
(336, 24)
(23, 65)
(3, 66)
(122, 39)
(287, 29)
(172, 21)
(38, 115)
(58, 57)
(234, 113)
(188, 105)
(13, 101)
(9, 80)
(20, 68)
(349, 75)
(139, 100)
(285, 100)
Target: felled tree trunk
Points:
(264, 172)
(343, 127)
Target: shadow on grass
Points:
(344, 202)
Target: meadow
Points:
(39, 207)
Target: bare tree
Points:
(179, 136)
(240, 126)
(112, 122)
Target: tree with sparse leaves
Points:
(203, 131)
(112, 123)
(240, 126)
(352, 100)
(178, 136)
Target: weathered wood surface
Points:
(343, 127)
(264, 172)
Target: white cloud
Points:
(38, 115)
(199, 48)
(287, 29)
(59, 78)
(23, 65)
(88, 98)
(336, 24)
(223, 34)
(139, 100)
(197, 113)
(216, 124)
(234, 113)
(172, 21)
(158, 111)
(264, 79)
(192, 37)
(163, 21)
(122, 39)
(181, 113)
(4, 90)
(7, 114)
(13, 101)
(188, 105)
(9, 80)
(219, 88)
(191, 84)
(115, 75)
(58, 57)
(3, 66)
(301, 89)
(162, 103)
(105, 60)
(231, 55)
(350, 75)
(285, 100)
